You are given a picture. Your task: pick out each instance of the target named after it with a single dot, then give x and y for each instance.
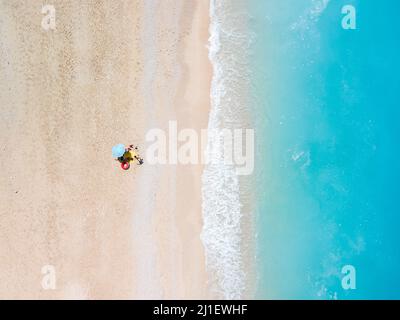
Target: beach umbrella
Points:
(118, 150)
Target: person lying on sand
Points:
(130, 155)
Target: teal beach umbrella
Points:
(118, 150)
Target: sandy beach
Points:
(109, 72)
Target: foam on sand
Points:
(222, 208)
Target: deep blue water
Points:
(326, 102)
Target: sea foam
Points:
(222, 208)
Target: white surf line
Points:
(222, 216)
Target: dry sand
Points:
(109, 72)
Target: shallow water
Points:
(325, 108)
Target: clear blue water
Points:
(328, 124)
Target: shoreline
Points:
(228, 231)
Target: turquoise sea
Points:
(325, 102)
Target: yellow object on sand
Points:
(127, 156)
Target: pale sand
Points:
(66, 97)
